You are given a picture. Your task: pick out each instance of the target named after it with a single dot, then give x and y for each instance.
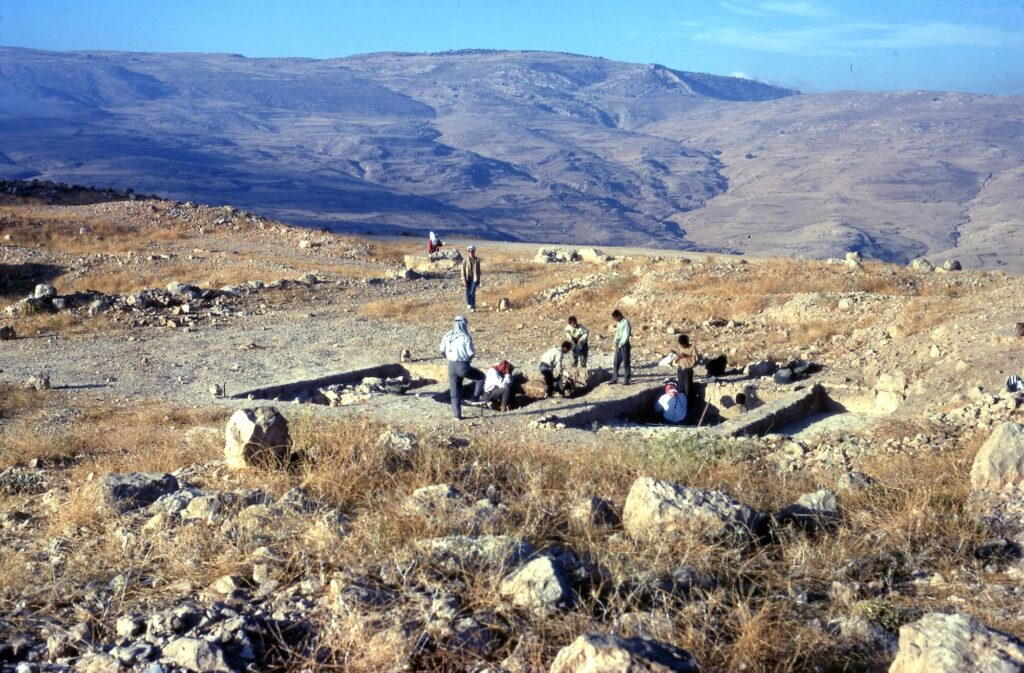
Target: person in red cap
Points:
(498, 384)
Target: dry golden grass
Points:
(58, 228)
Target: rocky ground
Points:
(881, 534)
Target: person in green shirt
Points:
(622, 348)
(579, 336)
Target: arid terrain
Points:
(531, 146)
(864, 515)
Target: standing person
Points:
(622, 348)
(685, 360)
(551, 366)
(578, 335)
(433, 243)
(471, 277)
(457, 347)
(497, 384)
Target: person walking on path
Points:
(471, 277)
(578, 335)
(457, 347)
(685, 360)
(552, 366)
(622, 348)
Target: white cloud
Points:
(835, 39)
(805, 9)
(799, 8)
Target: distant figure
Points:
(498, 384)
(471, 277)
(685, 361)
(737, 409)
(552, 366)
(457, 347)
(578, 335)
(672, 405)
(433, 243)
(622, 348)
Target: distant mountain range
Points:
(534, 146)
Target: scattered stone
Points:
(595, 512)
(40, 381)
(813, 510)
(594, 256)
(556, 256)
(7, 333)
(458, 553)
(601, 653)
(956, 643)
(256, 438)
(132, 490)
(406, 355)
(540, 586)
(951, 265)
(44, 291)
(1000, 461)
(657, 508)
(854, 260)
(922, 264)
(504, 304)
(197, 655)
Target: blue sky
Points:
(807, 44)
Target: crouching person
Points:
(551, 367)
(498, 384)
(672, 405)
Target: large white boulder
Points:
(656, 508)
(600, 653)
(256, 438)
(1000, 461)
(957, 643)
(540, 586)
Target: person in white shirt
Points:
(457, 347)
(551, 367)
(497, 385)
(672, 405)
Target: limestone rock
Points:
(540, 586)
(595, 512)
(556, 256)
(600, 653)
(197, 655)
(439, 500)
(594, 256)
(44, 291)
(40, 381)
(951, 265)
(256, 438)
(7, 333)
(922, 264)
(131, 490)
(939, 643)
(504, 304)
(475, 552)
(890, 392)
(657, 508)
(813, 510)
(1000, 461)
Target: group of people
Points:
(497, 383)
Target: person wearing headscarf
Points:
(496, 385)
(471, 277)
(672, 405)
(457, 347)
